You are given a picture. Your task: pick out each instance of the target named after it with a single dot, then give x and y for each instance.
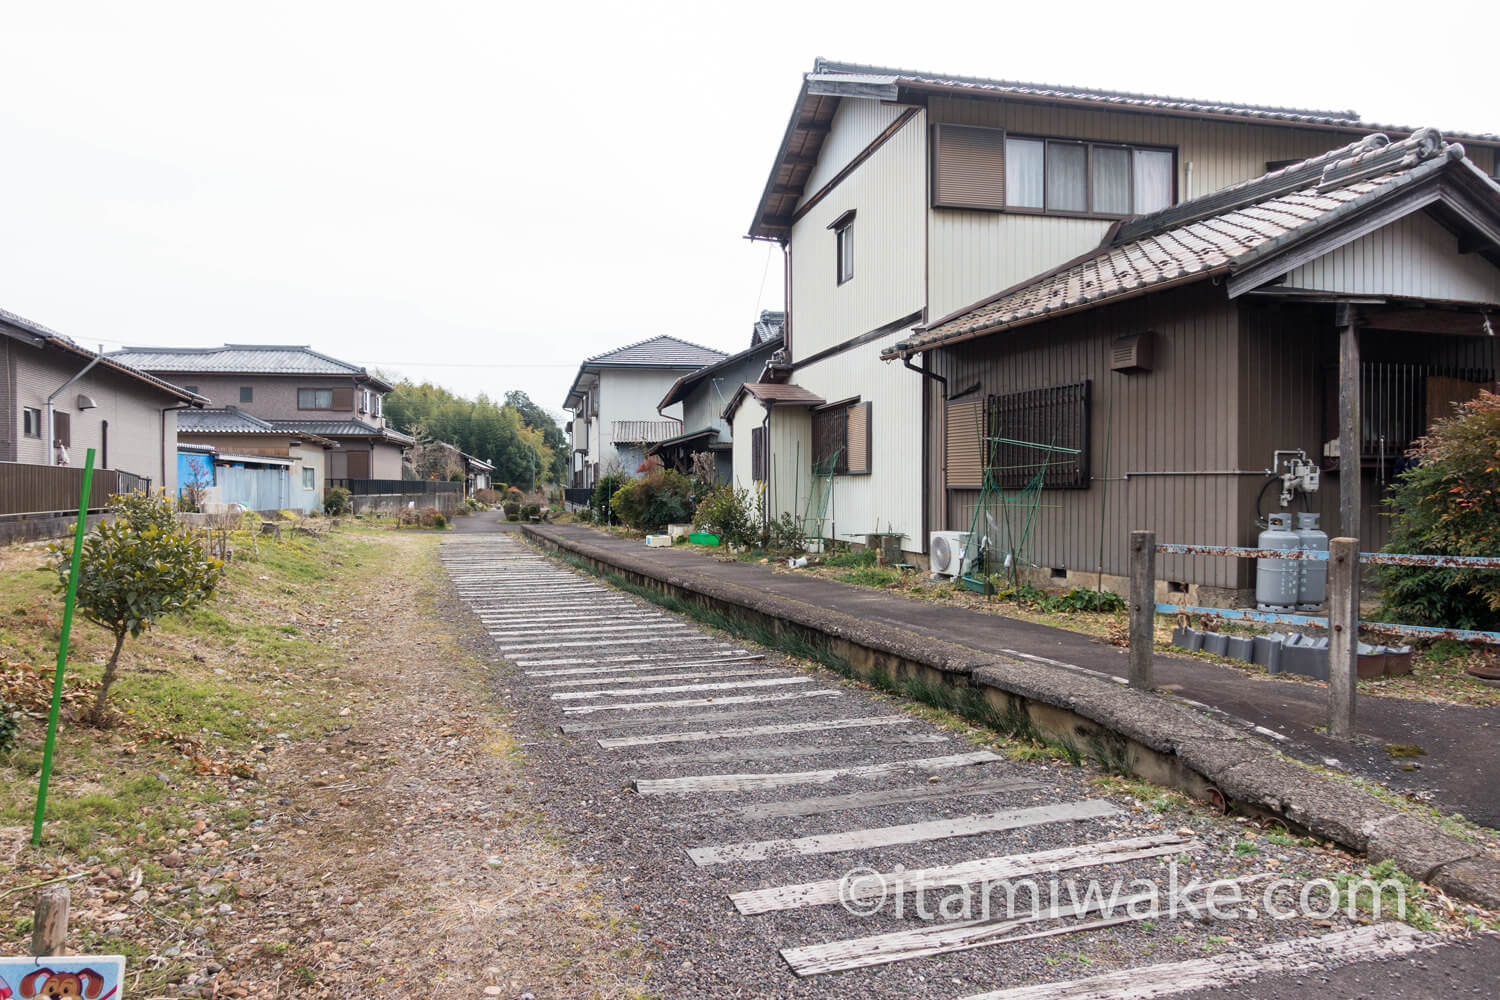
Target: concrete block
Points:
(676, 531)
(1300, 656)
(1241, 647)
(1266, 651)
(1215, 642)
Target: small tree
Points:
(136, 568)
(1449, 504)
(198, 484)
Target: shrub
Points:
(134, 569)
(530, 510)
(660, 497)
(1079, 599)
(512, 511)
(729, 513)
(10, 721)
(602, 502)
(489, 497)
(336, 501)
(1448, 504)
(783, 534)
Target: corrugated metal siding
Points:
(975, 254)
(1413, 256)
(10, 413)
(856, 123)
(890, 497)
(887, 193)
(789, 467)
(1182, 416)
(258, 489)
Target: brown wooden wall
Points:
(1181, 416)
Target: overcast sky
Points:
(483, 194)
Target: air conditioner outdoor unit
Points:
(946, 551)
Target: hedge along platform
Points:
(1129, 731)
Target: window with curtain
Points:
(1063, 176)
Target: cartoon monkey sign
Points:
(62, 977)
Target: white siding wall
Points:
(888, 194)
(975, 254)
(629, 395)
(746, 418)
(791, 436)
(856, 123)
(1413, 256)
(890, 497)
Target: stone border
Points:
(1153, 738)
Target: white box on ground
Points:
(659, 541)
(678, 530)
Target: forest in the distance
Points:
(517, 436)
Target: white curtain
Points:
(1023, 173)
(1111, 180)
(1067, 177)
(1153, 180)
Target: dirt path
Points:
(399, 856)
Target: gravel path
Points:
(788, 794)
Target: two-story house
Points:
(704, 394)
(900, 198)
(614, 400)
(296, 390)
(57, 400)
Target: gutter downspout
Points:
(942, 446)
(51, 423)
(765, 458)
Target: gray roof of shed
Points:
(1224, 233)
(772, 393)
(242, 359)
(231, 420)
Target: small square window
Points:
(247, 394)
(31, 420)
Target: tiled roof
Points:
(231, 420)
(773, 393)
(684, 385)
(768, 327)
(46, 335)
(659, 352)
(831, 81)
(343, 428)
(1221, 233)
(240, 359)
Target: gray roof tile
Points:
(343, 428)
(238, 359)
(659, 352)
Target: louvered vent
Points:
(859, 438)
(1135, 353)
(968, 167)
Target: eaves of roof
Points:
(38, 335)
(684, 385)
(707, 432)
(772, 394)
(830, 82)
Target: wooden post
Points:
(1350, 437)
(1142, 607)
(1343, 635)
(49, 928)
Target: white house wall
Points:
(973, 254)
(887, 193)
(747, 417)
(1413, 256)
(856, 123)
(625, 394)
(791, 480)
(890, 497)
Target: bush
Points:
(512, 511)
(10, 721)
(660, 497)
(1448, 504)
(438, 520)
(729, 513)
(336, 501)
(489, 498)
(530, 510)
(1079, 599)
(602, 502)
(135, 568)
(783, 534)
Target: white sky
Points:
(483, 194)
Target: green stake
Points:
(62, 646)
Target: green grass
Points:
(1384, 890)
(861, 559)
(1243, 848)
(870, 576)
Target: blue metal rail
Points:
(1273, 618)
(1316, 555)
